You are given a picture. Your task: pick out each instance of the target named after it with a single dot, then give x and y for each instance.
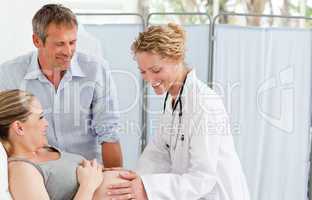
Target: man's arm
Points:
(106, 117)
(111, 154)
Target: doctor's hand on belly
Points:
(132, 189)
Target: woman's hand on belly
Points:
(89, 174)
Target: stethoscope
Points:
(178, 101)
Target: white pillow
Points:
(4, 192)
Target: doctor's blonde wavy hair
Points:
(168, 41)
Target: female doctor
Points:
(192, 156)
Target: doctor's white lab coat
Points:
(195, 159)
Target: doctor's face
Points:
(59, 47)
(159, 72)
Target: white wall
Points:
(102, 5)
(16, 15)
(16, 30)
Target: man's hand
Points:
(128, 190)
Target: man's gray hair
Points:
(52, 13)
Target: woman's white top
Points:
(196, 159)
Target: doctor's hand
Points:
(134, 189)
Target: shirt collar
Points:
(75, 68)
(188, 85)
(191, 76)
(34, 71)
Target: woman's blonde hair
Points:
(167, 41)
(14, 106)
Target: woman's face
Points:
(34, 128)
(159, 72)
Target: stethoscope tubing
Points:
(179, 101)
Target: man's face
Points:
(59, 47)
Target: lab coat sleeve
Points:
(207, 126)
(155, 158)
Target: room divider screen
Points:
(264, 75)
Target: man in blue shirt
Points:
(76, 90)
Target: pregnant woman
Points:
(38, 171)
